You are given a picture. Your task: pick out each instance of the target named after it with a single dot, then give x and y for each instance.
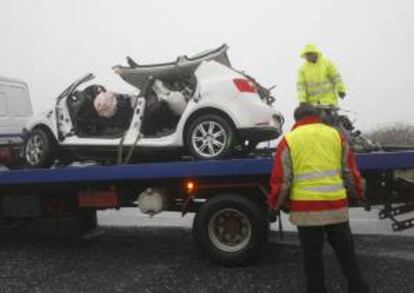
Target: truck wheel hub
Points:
(229, 230)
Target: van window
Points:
(3, 103)
(18, 101)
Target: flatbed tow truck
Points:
(228, 197)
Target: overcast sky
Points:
(49, 43)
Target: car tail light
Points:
(244, 85)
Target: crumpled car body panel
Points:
(138, 75)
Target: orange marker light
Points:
(190, 186)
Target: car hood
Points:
(138, 75)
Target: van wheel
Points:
(231, 229)
(210, 137)
(39, 149)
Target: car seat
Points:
(82, 113)
(158, 118)
(77, 107)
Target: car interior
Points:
(87, 122)
(159, 119)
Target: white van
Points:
(15, 109)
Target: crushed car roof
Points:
(138, 75)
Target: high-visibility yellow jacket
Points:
(318, 83)
(314, 168)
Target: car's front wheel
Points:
(210, 137)
(39, 149)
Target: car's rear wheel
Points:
(39, 149)
(210, 137)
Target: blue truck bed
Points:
(369, 162)
(217, 186)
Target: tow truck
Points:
(228, 197)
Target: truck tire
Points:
(210, 136)
(231, 229)
(39, 149)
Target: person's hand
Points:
(342, 95)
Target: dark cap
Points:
(305, 110)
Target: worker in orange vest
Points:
(313, 174)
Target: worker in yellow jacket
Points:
(314, 174)
(319, 82)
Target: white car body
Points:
(215, 92)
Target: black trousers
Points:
(340, 238)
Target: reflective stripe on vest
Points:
(326, 188)
(316, 152)
(313, 93)
(320, 88)
(318, 84)
(319, 174)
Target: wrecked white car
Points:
(198, 106)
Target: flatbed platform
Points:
(64, 199)
(367, 162)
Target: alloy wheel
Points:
(35, 149)
(209, 139)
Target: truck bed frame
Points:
(207, 188)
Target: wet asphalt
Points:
(164, 258)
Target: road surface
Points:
(135, 253)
